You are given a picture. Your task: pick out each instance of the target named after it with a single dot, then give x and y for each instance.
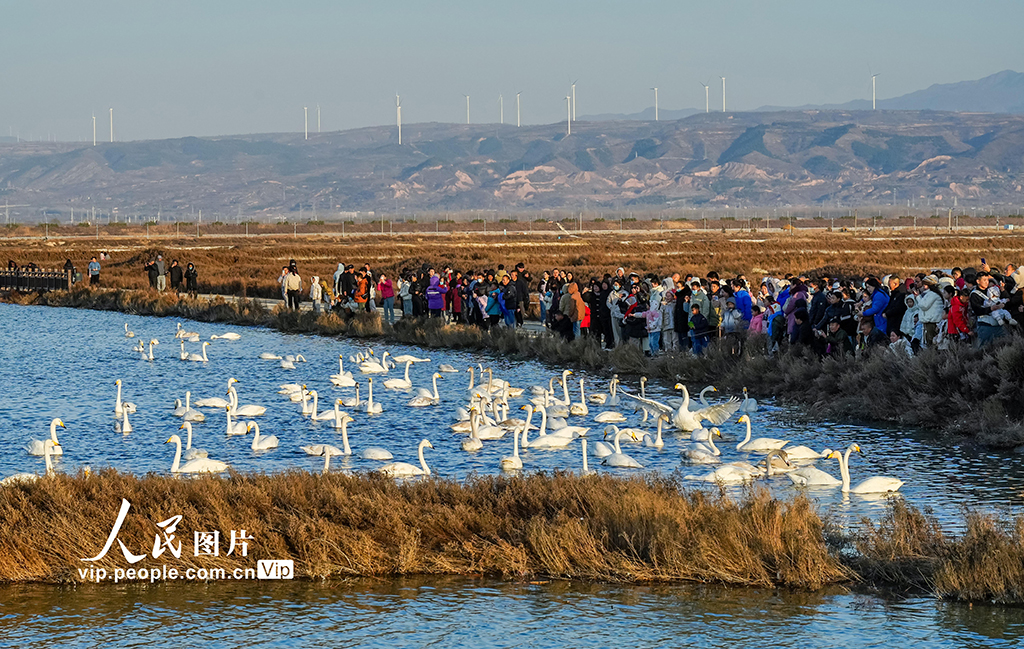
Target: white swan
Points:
(124, 426)
(38, 447)
(620, 459)
(343, 421)
(248, 410)
(183, 355)
(182, 333)
(140, 347)
(186, 411)
(308, 407)
(748, 405)
(400, 384)
(375, 367)
(473, 442)
(739, 472)
(49, 448)
(342, 379)
(678, 401)
(429, 399)
(351, 402)
(372, 407)
(402, 469)
(191, 453)
(580, 408)
(287, 364)
(689, 420)
(873, 485)
(484, 432)
(152, 343)
(600, 398)
(338, 417)
(761, 443)
(199, 465)
(376, 453)
(703, 452)
(121, 405)
(512, 462)
(604, 449)
(610, 417)
(810, 476)
(321, 449)
(655, 442)
(228, 336)
(128, 334)
(234, 427)
(264, 443)
(446, 368)
(555, 440)
(408, 358)
(267, 356)
(804, 453)
(200, 358)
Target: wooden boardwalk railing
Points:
(35, 280)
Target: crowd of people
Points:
(182, 280)
(684, 313)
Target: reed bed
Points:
(539, 526)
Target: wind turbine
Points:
(305, 117)
(94, 129)
(398, 111)
(318, 118)
(467, 108)
(723, 94)
(707, 97)
(574, 100)
(873, 91)
(518, 122)
(111, 124)
(568, 116)
(501, 109)
(655, 89)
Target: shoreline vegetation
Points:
(537, 526)
(964, 391)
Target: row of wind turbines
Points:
(570, 102)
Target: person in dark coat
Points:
(151, 272)
(191, 280)
(897, 305)
(176, 275)
(803, 333)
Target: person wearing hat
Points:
(161, 273)
(984, 309)
(930, 305)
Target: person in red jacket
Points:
(956, 320)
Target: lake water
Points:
(65, 362)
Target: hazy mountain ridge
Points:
(748, 159)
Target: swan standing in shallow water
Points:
(761, 443)
(403, 469)
(264, 443)
(618, 458)
(191, 453)
(38, 447)
(873, 485)
(199, 465)
(49, 448)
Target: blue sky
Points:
(178, 68)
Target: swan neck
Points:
(583, 444)
(437, 397)
(423, 460)
(188, 428)
(327, 462)
(844, 469)
(47, 459)
(177, 455)
(746, 439)
(618, 434)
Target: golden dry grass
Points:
(559, 525)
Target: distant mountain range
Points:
(766, 159)
(1002, 92)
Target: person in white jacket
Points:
(930, 308)
(316, 294)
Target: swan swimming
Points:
(259, 443)
(190, 452)
(226, 336)
(761, 443)
(512, 462)
(128, 334)
(38, 447)
(121, 405)
(200, 358)
(199, 465)
(873, 485)
(404, 469)
(429, 399)
(49, 448)
(618, 458)
(242, 411)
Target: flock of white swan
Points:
(482, 412)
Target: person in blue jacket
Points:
(879, 300)
(742, 297)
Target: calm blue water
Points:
(64, 364)
(467, 613)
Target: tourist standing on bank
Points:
(94, 272)
(191, 280)
(293, 287)
(386, 291)
(176, 274)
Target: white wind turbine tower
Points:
(568, 115)
(655, 89)
(873, 91)
(398, 116)
(707, 97)
(574, 100)
(467, 108)
(518, 122)
(501, 109)
(94, 129)
(318, 118)
(111, 124)
(305, 117)
(723, 94)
